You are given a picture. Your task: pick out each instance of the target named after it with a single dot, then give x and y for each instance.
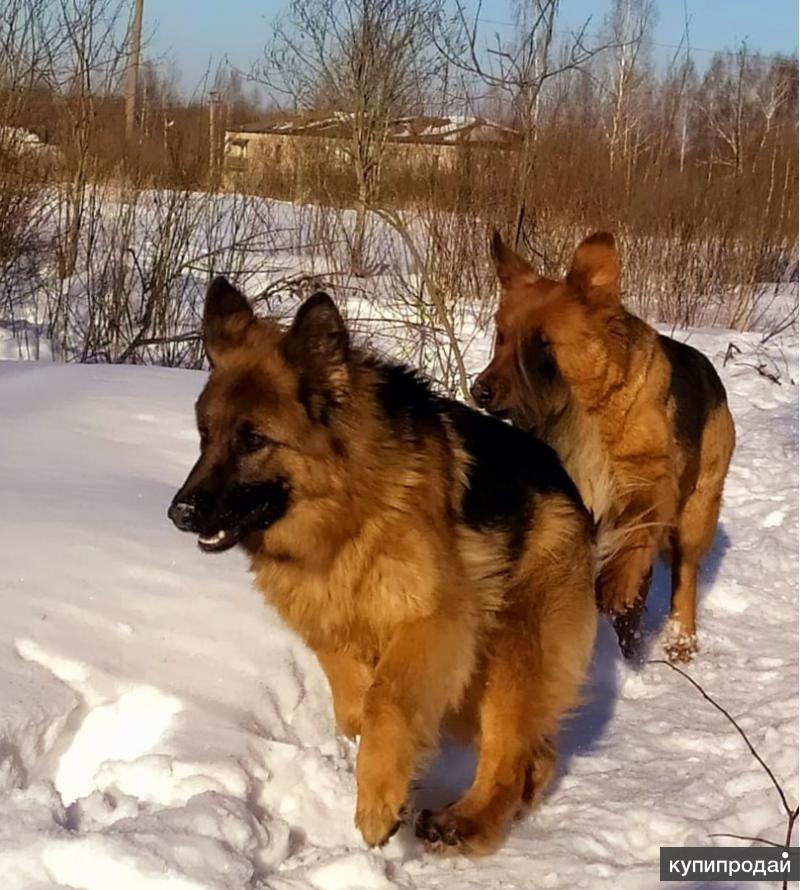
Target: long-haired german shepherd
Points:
(639, 420)
(438, 561)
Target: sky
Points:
(199, 34)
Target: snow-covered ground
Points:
(159, 728)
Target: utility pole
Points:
(132, 76)
(213, 144)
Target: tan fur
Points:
(414, 607)
(420, 622)
(611, 415)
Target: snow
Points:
(160, 728)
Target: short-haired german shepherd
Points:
(438, 561)
(640, 421)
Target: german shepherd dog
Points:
(438, 561)
(639, 420)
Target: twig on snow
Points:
(791, 814)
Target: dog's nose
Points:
(481, 393)
(183, 513)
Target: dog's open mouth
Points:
(220, 540)
(500, 413)
(229, 529)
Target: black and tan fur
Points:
(639, 420)
(436, 560)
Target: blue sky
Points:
(199, 33)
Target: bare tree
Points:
(722, 103)
(85, 59)
(519, 70)
(23, 169)
(680, 80)
(367, 60)
(629, 25)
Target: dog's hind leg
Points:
(475, 824)
(694, 535)
(523, 703)
(536, 662)
(681, 638)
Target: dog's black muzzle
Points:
(222, 521)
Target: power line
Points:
(692, 49)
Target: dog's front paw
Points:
(380, 812)
(616, 594)
(627, 627)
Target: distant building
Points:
(22, 143)
(296, 147)
(19, 140)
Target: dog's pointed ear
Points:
(226, 318)
(318, 345)
(595, 269)
(318, 333)
(509, 265)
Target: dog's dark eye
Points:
(249, 440)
